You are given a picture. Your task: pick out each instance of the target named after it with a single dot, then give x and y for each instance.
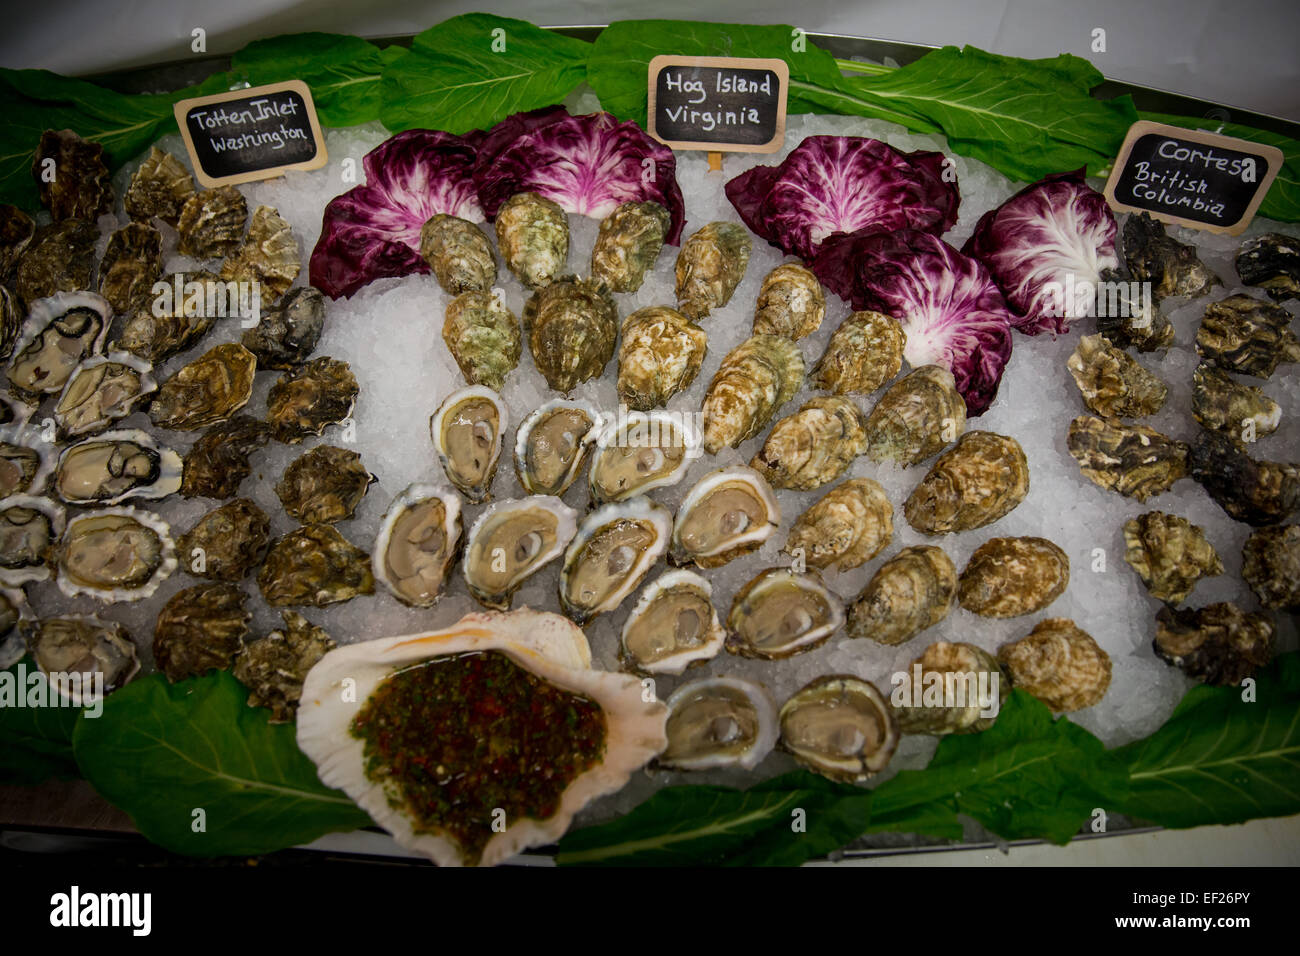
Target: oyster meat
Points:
(102, 390)
(1217, 644)
(533, 236)
(324, 485)
(719, 722)
(217, 463)
(754, 380)
(1271, 261)
(976, 482)
(1009, 577)
(511, 541)
(1172, 267)
(200, 629)
(1256, 492)
(482, 335)
(955, 689)
(71, 177)
(114, 466)
(613, 550)
(628, 243)
(640, 453)
(1247, 335)
(916, 417)
(155, 332)
(1242, 411)
(467, 429)
(864, 353)
(790, 302)
(25, 463)
(459, 254)
(1169, 553)
(274, 667)
(780, 613)
(814, 446)
(710, 265)
(159, 189)
(304, 401)
(846, 528)
(1270, 564)
(211, 223)
(116, 554)
(268, 259)
(314, 565)
(659, 356)
(913, 590)
(1112, 383)
(1134, 460)
(29, 530)
(572, 326)
(841, 727)
(286, 335)
(672, 626)
(16, 231)
(60, 258)
(206, 391)
(227, 542)
(1058, 663)
(419, 541)
(552, 443)
(85, 645)
(59, 333)
(131, 265)
(727, 513)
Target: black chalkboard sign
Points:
(253, 133)
(1192, 177)
(722, 104)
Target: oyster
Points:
(954, 689)
(482, 335)
(419, 541)
(218, 462)
(552, 443)
(1134, 460)
(29, 530)
(274, 667)
(1059, 664)
(719, 722)
(268, 259)
(628, 243)
(115, 554)
(114, 466)
(156, 331)
(513, 540)
(1253, 491)
(976, 482)
(846, 528)
(459, 254)
(227, 542)
(324, 485)
(813, 446)
(1129, 317)
(613, 550)
(467, 429)
(660, 355)
(83, 645)
(1217, 644)
(1169, 553)
(13, 413)
(1172, 267)
(1113, 384)
(131, 265)
(11, 322)
(206, 391)
(25, 462)
(913, 590)
(1247, 335)
(1242, 411)
(59, 333)
(1009, 577)
(710, 265)
(916, 417)
(841, 727)
(572, 326)
(16, 231)
(211, 223)
(672, 626)
(14, 611)
(640, 453)
(70, 174)
(102, 390)
(286, 335)
(727, 513)
(533, 236)
(314, 565)
(754, 380)
(159, 189)
(1271, 566)
(60, 258)
(1271, 261)
(304, 401)
(200, 629)
(790, 302)
(780, 613)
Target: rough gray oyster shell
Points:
(217, 463)
(1247, 335)
(159, 189)
(131, 265)
(1256, 492)
(115, 554)
(533, 236)
(916, 417)
(974, 483)
(467, 432)
(268, 256)
(754, 380)
(114, 466)
(790, 302)
(629, 241)
(967, 663)
(913, 590)
(841, 727)
(1169, 553)
(1134, 460)
(1058, 663)
(314, 565)
(157, 337)
(572, 327)
(60, 258)
(780, 613)
(305, 400)
(1218, 644)
(1010, 577)
(659, 356)
(1242, 411)
(82, 644)
(100, 391)
(1129, 319)
(16, 231)
(287, 334)
(1172, 267)
(59, 333)
(846, 528)
(71, 177)
(483, 337)
(324, 485)
(1112, 383)
(206, 391)
(814, 446)
(11, 321)
(864, 353)
(1271, 261)
(710, 265)
(459, 254)
(274, 667)
(199, 629)
(30, 528)
(1271, 566)
(227, 542)
(211, 224)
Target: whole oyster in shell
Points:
(814, 446)
(572, 326)
(16, 231)
(639, 453)
(419, 541)
(1271, 261)
(11, 322)
(974, 483)
(614, 548)
(159, 189)
(131, 265)
(533, 236)
(115, 466)
(628, 243)
(727, 513)
(1134, 460)
(845, 528)
(157, 331)
(218, 462)
(227, 542)
(1129, 317)
(913, 590)
(60, 258)
(1172, 267)
(102, 390)
(211, 224)
(268, 258)
(754, 380)
(482, 335)
(978, 686)
(467, 430)
(1218, 644)
(1169, 553)
(85, 645)
(1058, 663)
(1242, 411)
(841, 727)
(59, 333)
(286, 335)
(780, 613)
(790, 302)
(30, 528)
(306, 400)
(1270, 564)
(115, 554)
(552, 443)
(659, 356)
(511, 541)
(1247, 335)
(274, 667)
(314, 565)
(916, 417)
(719, 722)
(199, 629)
(710, 265)
(324, 485)
(673, 626)
(459, 254)
(1010, 577)
(71, 176)
(206, 391)
(1250, 490)
(1113, 384)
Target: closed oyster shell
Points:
(613, 550)
(1242, 411)
(482, 335)
(864, 353)
(641, 452)
(780, 613)
(1270, 564)
(1271, 261)
(115, 554)
(1247, 335)
(305, 400)
(60, 258)
(159, 189)
(660, 355)
(1256, 492)
(913, 590)
(131, 265)
(419, 541)
(1058, 663)
(846, 528)
(206, 391)
(324, 485)
(11, 322)
(790, 302)
(673, 626)
(274, 667)
(1169, 553)
(1172, 267)
(552, 443)
(269, 256)
(30, 528)
(459, 254)
(628, 243)
(572, 326)
(211, 224)
(286, 335)
(1129, 317)
(841, 727)
(16, 231)
(227, 542)
(314, 565)
(59, 333)
(710, 265)
(916, 417)
(1113, 384)
(86, 645)
(467, 430)
(199, 629)
(814, 446)
(719, 722)
(1218, 644)
(727, 513)
(1009, 577)
(511, 541)
(976, 482)
(1134, 460)
(533, 236)
(71, 177)
(978, 689)
(102, 390)
(156, 331)
(217, 463)
(754, 380)
(115, 466)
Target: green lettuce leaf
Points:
(35, 742)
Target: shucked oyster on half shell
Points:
(1059, 664)
(324, 485)
(660, 355)
(30, 528)
(790, 302)
(977, 481)
(813, 446)
(864, 353)
(552, 443)
(845, 528)
(572, 326)
(14, 613)
(206, 391)
(115, 466)
(115, 554)
(314, 565)
(553, 651)
(710, 265)
(841, 727)
(952, 689)
(102, 390)
(84, 645)
(467, 431)
(642, 452)
(754, 380)
(59, 333)
(306, 400)
(419, 541)
(719, 722)
(533, 236)
(628, 243)
(483, 337)
(1169, 553)
(913, 590)
(672, 626)
(459, 254)
(1134, 460)
(727, 513)
(25, 461)
(613, 550)
(916, 417)
(511, 541)
(780, 613)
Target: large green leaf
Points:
(35, 742)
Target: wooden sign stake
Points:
(715, 161)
